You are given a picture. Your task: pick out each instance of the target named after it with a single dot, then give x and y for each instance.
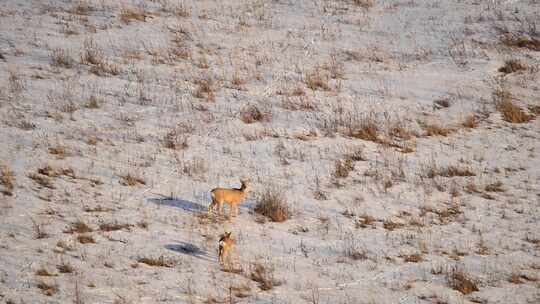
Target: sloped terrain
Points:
(401, 136)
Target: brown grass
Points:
(343, 167)
(42, 180)
(494, 187)
(79, 227)
(44, 272)
(316, 80)
(7, 179)
(413, 258)
(470, 122)
(391, 225)
(65, 267)
(48, 289)
(366, 129)
(55, 172)
(512, 66)
(156, 262)
(511, 112)
(129, 14)
(61, 58)
(251, 113)
(131, 180)
(449, 171)
(520, 41)
(175, 139)
(436, 130)
(264, 276)
(86, 239)
(114, 226)
(461, 282)
(205, 89)
(366, 4)
(364, 221)
(273, 205)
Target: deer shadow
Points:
(178, 203)
(189, 249)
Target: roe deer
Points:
(225, 245)
(233, 197)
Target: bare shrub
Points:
(176, 8)
(264, 276)
(512, 66)
(251, 113)
(92, 103)
(92, 54)
(298, 103)
(272, 204)
(7, 179)
(61, 58)
(196, 167)
(156, 262)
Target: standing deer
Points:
(233, 197)
(226, 243)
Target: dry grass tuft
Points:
(131, 180)
(366, 129)
(264, 276)
(156, 262)
(273, 205)
(449, 171)
(44, 272)
(521, 41)
(511, 112)
(205, 89)
(470, 122)
(6, 180)
(65, 268)
(413, 258)
(366, 4)
(391, 225)
(316, 80)
(512, 66)
(364, 221)
(461, 282)
(114, 226)
(129, 14)
(42, 180)
(251, 113)
(343, 167)
(61, 58)
(79, 227)
(48, 289)
(86, 239)
(436, 130)
(495, 187)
